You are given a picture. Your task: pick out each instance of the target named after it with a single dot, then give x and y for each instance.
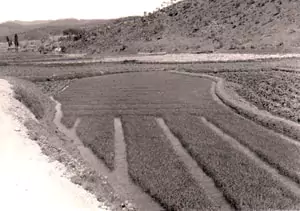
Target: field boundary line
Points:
(121, 174)
(86, 153)
(197, 173)
(286, 129)
(113, 177)
(73, 76)
(285, 69)
(289, 183)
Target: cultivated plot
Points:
(181, 147)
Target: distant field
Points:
(261, 173)
(71, 71)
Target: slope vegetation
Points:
(201, 25)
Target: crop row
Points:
(245, 184)
(153, 164)
(276, 92)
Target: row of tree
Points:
(10, 42)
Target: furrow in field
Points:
(245, 184)
(157, 169)
(195, 170)
(85, 152)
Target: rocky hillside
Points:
(201, 26)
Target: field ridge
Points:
(192, 166)
(143, 200)
(288, 182)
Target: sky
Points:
(28, 10)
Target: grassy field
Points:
(243, 183)
(156, 168)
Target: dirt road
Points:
(165, 58)
(184, 147)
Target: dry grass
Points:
(154, 166)
(243, 182)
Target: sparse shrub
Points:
(63, 49)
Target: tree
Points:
(9, 42)
(16, 41)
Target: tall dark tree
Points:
(8, 41)
(16, 41)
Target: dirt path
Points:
(170, 58)
(29, 181)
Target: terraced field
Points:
(274, 91)
(167, 138)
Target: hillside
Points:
(28, 23)
(201, 25)
(36, 30)
(8, 28)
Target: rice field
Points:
(183, 149)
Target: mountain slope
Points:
(35, 30)
(201, 25)
(10, 28)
